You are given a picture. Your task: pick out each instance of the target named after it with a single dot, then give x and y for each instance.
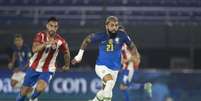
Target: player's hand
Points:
(65, 68)
(74, 61)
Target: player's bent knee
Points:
(107, 77)
(41, 85)
(40, 88)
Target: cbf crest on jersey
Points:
(116, 40)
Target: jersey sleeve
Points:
(64, 47)
(39, 37)
(95, 37)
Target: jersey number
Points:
(110, 47)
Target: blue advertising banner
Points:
(82, 86)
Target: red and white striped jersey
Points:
(126, 58)
(44, 60)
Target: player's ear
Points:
(106, 26)
(47, 25)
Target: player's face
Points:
(112, 26)
(18, 42)
(52, 27)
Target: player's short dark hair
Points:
(52, 19)
(111, 18)
(18, 36)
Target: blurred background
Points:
(166, 32)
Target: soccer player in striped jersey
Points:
(127, 72)
(46, 46)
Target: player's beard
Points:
(52, 33)
(112, 34)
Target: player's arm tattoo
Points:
(86, 41)
(67, 58)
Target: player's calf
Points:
(41, 86)
(25, 90)
(23, 93)
(99, 96)
(106, 92)
(109, 84)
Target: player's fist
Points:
(78, 57)
(74, 61)
(65, 68)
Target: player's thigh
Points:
(105, 73)
(101, 71)
(30, 78)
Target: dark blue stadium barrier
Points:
(81, 86)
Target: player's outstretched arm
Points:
(135, 54)
(66, 60)
(85, 43)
